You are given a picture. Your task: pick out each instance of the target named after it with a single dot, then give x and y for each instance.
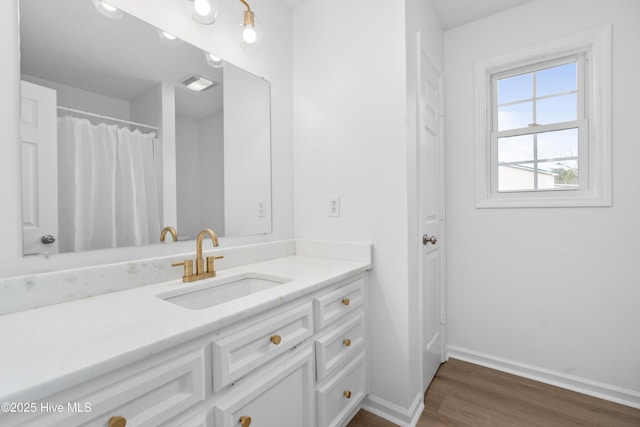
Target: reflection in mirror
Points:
(126, 129)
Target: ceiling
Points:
(453, 13)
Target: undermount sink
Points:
(215, 291)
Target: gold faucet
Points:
(200, 273)
(171, 230)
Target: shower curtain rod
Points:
(73, 110)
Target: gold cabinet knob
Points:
(276, 339)
(346, 301)
(245, 421)
(117, 421)
(347, 342)
(347, 394)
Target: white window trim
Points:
(597, 42)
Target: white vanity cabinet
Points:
(301, 363)
(282, 373)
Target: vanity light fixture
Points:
(197, 83)
(107, 10)
(250, 32)
(204, 11)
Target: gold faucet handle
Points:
(188, 268)
(210, 259)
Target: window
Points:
(541, 139)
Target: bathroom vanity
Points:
(279, 342)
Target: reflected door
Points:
(38, 137)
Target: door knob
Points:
(47, 239)
(426, 240)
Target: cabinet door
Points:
(281, 396)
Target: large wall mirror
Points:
(126, 130)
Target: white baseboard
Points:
(581, 385)
(394, 413)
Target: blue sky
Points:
(518, 92)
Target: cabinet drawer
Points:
(339, 343)
(244, 350)
(339, 302)
(341, 393)
(145, 397)
(281, 396)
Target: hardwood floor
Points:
(463, 394)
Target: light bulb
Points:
(249, 34)
(202, 7)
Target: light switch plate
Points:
(334, 206)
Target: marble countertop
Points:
(48, 349)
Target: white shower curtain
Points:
(108, 189)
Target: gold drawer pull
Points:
(276, 339)
(347, 394)
(117, 421)
(347, 342)
(245, 421)
(346, 301)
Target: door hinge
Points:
(441, 110)
(443, 318)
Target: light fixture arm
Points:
(246, 5)
(249, 18)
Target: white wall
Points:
(246, 152)
(349, 103)
(84, 100)
(351, 117)
(272, 60)
(211, 135)
(187, 173)
(200, 175)
(548, 289)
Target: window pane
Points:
(517, 88)
(515, 149)
(515, 116)
(556, 80)
(557, 109)
(558, 175)
(562, 143)
(515, 177)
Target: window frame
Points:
(594, 124)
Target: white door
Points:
(431, 226)
(38, 135)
